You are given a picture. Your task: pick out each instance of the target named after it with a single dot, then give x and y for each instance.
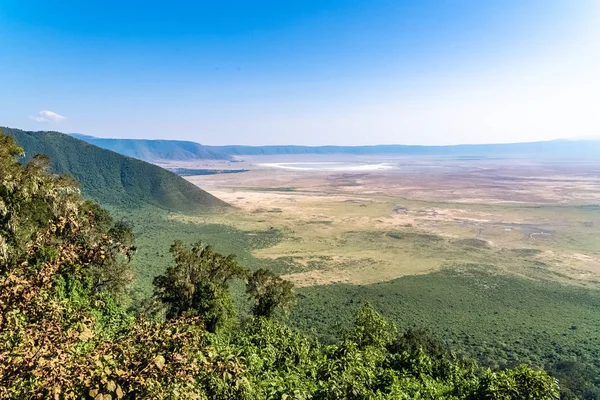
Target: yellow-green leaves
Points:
(85, 334)
(159, 361)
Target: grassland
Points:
(500, 261)
(330, 238)
(155, 230)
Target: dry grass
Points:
(335, 224)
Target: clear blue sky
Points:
(303, 72)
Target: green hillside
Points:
(113, 179)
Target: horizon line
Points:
(580, 139)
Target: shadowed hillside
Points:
(111, 178)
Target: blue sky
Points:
(303, 72)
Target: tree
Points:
(198, 284)
(522, 383)
(414, 339)
(371, 329)
(269, 292)
(113, 273)
(52, 243)
(576, 380)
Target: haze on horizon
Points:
(304, 72)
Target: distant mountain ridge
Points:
(150, 150)
(155, 150)
(113, 179)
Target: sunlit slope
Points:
(113, 179)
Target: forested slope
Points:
(111, 178)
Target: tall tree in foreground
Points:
(270, 292)
(198, 284)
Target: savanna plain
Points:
(363, 221)
(498, 258)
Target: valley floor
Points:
(498, 258)
(342, 222)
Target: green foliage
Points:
(269, 292)
(499, 320)
(64, 333)
(113, 179)
(198, 284)
(576, 379)
(414, 340)
(371, 329)
(152, 360)
(521, 383)
(54, 246)
(283, 363)
(197, 172)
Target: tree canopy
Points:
(65, 331)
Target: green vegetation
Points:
(113, 179)
(65, 331)
(270, 292)
(499, 320)
(197, 172)
(476, 309)
(199, 282)
(155, 229)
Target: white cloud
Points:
(47, 116)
